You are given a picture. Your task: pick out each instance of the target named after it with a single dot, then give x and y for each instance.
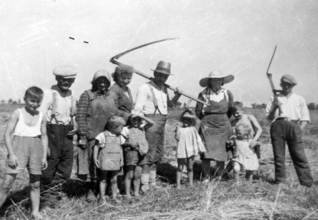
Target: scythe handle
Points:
(168, 86)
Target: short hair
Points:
(34, 93)
(237, 106)
(115, 121)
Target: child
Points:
(136, 147)
(27, 147)
(108, 156)
(189, 145)
(245, 155)
(240, 118)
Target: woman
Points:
(216, 127)
(95, 107)
(122, 77)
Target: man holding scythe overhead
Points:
(154, 100)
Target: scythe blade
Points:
(114, 61)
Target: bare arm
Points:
(45, 142)
(149, 124)
(175, 99)
(256, 125)
(271, 108)
(13, 161)
(96, 149)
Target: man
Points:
(153, 99)
(289, 115)
(59, 106)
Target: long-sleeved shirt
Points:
(89, 113)
(293, 107)
(145, 101)
(124, 100)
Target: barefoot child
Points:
(189, 145)
(27, 148)
(135, 149)
(245, 154)
(108, 156)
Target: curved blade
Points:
(135, 48)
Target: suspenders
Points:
(154, 100)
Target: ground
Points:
(217, 200)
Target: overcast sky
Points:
(235, 37)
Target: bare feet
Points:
(36, 216)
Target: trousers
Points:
(60, 161)
(282, 132)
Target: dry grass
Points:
(217, 200)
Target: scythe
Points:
(114, 61)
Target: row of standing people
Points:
(98, 104)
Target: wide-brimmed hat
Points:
(137, 113)
(101, 73)
(163, 67)
(67, 72)
(215, 74)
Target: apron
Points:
(216, 129)
(111, 156)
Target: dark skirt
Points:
(215, 129)
(156, 137)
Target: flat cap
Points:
(289, 79)
(115, 121)
(65, 71)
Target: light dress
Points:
(189, 142)
(245, 155)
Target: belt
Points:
(286, 119)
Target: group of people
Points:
(121, 141)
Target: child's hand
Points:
(44, 163)
(134, 145)
(13, 161)
(97, 164)
(253, 143)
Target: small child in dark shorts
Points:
(108, 156)
(27, 147)
(135, 149)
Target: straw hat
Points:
(163, 67)
(215, 74)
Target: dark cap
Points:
(289, 79)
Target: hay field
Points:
(217, 200)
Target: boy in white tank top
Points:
(26, 141)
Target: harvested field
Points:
(217, 200)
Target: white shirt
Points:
(144, 100)
(61, 107)
(102, 140)
(293, 106)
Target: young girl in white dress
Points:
(244, 156)
(189, 145)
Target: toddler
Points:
(108, 156)
(135, 149)
(244, 154)
(189, 145)
(26, 141)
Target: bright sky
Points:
(235, 37)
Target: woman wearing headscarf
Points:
(122, 77)
(95, 107)
(216, 127)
